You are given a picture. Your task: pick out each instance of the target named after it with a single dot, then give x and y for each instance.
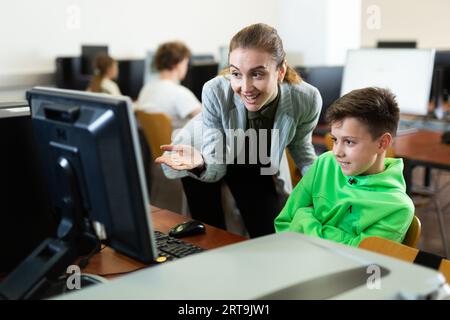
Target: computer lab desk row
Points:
(278, 266)
(109, 263)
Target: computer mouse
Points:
(446, 137)
(187, 229)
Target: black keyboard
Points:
(173, 248)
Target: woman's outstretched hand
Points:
(182, 157)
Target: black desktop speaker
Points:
(131, 77)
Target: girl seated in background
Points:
(105, 71)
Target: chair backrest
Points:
(399, 251)
(390, 153)
(294, 171)
(157, 129)
(329, 141)
(413, 233)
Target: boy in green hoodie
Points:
(354, 192)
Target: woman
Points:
(259, 93)
(105, 71)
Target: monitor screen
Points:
(130, 78)
(328, 80)
(406, 72)
(88, 54)
(441, 78)
(95, 137)
(201, 70)
(26, 216)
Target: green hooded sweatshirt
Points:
(347, 209)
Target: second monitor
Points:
(406, 72)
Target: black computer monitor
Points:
(131, 75)
(441, 76)
(201, 69)
(88, 144)
(26, 215)
(397, 44)
(68, 74)
(88, 54)
(328, 80)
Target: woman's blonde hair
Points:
(102, 64)
(263, 37)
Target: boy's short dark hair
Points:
(375, 107)
(169, 54)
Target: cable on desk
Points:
(85, 260)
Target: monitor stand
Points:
(60, 286)
(75, 236)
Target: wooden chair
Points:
(295, 172)
(399, 251)
(329, 141)
(413, 234)
(157, 129)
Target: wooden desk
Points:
(422, 148)
(109, 263)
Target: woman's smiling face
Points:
(255, 77)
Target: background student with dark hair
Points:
(165, 93)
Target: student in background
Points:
(165, 94)
(105, 72)
(354, 192)
(263, 96)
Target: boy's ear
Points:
(385, 141)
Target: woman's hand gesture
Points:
(182, 157)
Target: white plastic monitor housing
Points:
(406, 72)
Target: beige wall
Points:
(33, 33)
(425, 21)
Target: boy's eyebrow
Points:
(345, 137)
(253, 69)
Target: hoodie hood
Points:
(390, 178)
